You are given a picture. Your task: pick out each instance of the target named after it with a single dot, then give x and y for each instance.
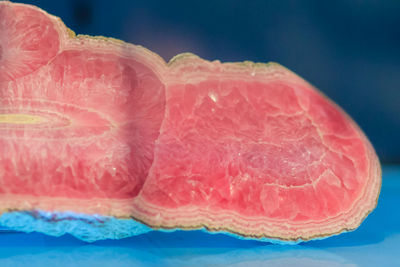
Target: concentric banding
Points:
(49, 119)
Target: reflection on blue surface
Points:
(90, 228)
(375, 243)
(85, 227)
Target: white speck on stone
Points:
(213, 96)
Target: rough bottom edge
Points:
(91, 228)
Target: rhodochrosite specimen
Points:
(91, 125)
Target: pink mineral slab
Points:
(94, 125)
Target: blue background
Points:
(349, 49)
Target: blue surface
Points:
(375, 243)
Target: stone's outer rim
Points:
(68, 39)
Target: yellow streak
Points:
(20, 119)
